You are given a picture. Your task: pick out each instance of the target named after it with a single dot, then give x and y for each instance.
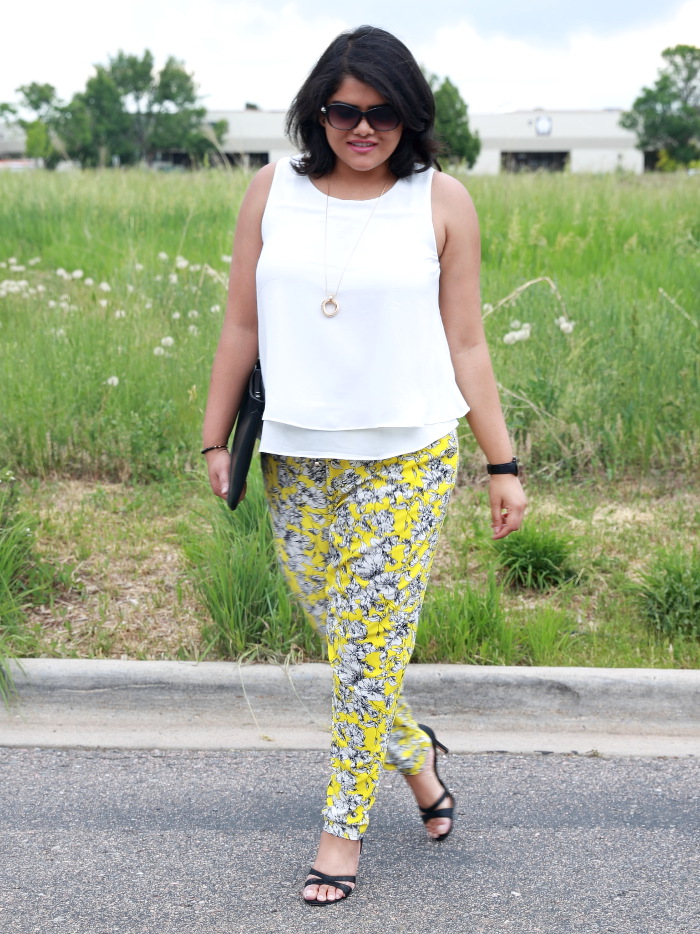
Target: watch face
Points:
(543, 126)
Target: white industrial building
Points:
(576, 140)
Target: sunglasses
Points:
(346, 117)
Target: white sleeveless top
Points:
(376, 380)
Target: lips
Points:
(363, 145)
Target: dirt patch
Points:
(127, 592)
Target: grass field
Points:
(112, 288)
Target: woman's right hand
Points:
(219, 466)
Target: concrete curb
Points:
(215, 705)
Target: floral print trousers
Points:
(356, 541)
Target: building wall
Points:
(594, 139)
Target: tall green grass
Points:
(616, 396)
(236, 574)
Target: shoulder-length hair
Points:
(377, 58)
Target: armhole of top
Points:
(276, 182)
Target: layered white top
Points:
(376, 380)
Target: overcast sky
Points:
(506, 55)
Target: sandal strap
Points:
(436, 811)
(316, 877)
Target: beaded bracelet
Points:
(214, 447)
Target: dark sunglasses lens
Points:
(342, 117)
(383, 118)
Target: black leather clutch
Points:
(248, 429)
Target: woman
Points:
(355, 278)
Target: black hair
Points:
(377, 58)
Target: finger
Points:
(511, 522)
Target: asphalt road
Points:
(99, 842)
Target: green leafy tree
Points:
(163, 105)
(42, 101)
(452, 122)
(666, 117)
(105, 125)
(39, 98)
(8, 113)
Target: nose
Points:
(363, 127)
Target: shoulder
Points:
(454, 215)
(451, 197)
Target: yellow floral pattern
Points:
(356, 541)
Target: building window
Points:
(534, 161)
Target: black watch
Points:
(510, 467)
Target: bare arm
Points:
(457, 235)
(237, 350)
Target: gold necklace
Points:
(332, 300)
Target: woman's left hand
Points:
(508, 502)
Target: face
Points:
(362, 148)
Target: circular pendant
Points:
(326, 303)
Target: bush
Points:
(669, 595)
(535, 558)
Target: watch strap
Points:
(509, 467)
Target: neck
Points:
(359, 186)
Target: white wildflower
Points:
(102, 302)
(120, 313)
(138, 267)
(61, 273)
(129, 288)
(514, 325)
(225, 259)
(167, 341)
(17, 268)
(567, 327)
(487, 307)
(172, 278)
(215, 309)
(148, 305)
(51, 303)
(158, 351)
(89, 281)
(12, 260)
(33, 261)
(158, 278)
(193, 329)
(64, 306)
(77, 274)
(41, 288)
(519, 334)
(181, 262)
(176, 316)
(3, 265)
(195, 267)
(193, 313)
(105, 287)
(163, 257)
(112, 381)
(58, 332)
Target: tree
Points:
(42, 100)
(452, 122)
(162, 105)
(666, 117)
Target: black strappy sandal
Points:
(435, 810)
(316, 877)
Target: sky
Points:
(502, 54)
